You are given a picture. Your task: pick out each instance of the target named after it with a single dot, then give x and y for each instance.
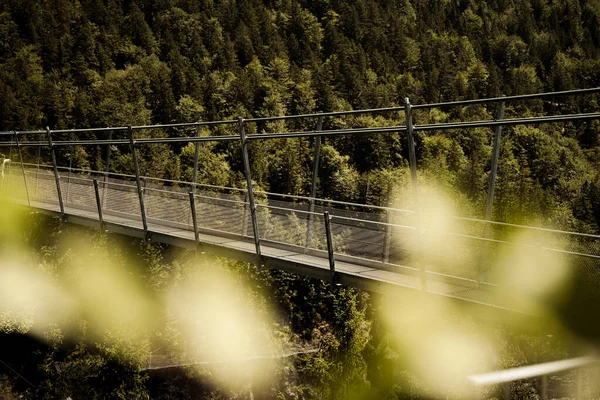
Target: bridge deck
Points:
(364, 277)
(374, 250)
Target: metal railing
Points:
(360, 232)
(507, 379)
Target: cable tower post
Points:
(55, 167)
(138, 182)
(250, 189)
(412, 156)
(492, 182)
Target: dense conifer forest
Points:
(99, 63)
(69, 64)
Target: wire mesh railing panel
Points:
(78, 191)
(12, 186)
(363, 213)
(168, 206)
(318, 234)
(358, 239)
(162, 184)
(121, 198)
(217, 194)
(451, 255)
(588, 269)
(503, 244)
(289, 204)
(219, 214)
(282, 225)
(44, 187)
(402, 245)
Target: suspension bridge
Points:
(372, 247)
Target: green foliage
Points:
(338, 179)
(111, 63)
(143, 62)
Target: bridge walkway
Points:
(277, 256)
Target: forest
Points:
(100, 63)
(110, 63)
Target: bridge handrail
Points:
(533, 96)
(314, 133)
(491, 100)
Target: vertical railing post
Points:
(495, 158)
(195, 171)
(138, 182)
(313, 186)
(412, 156)
(491, 187)
(22, 167)
(55, 167)
(194, 218)
(330, 251)
(250, 190)
(99, 205)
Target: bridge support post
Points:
(313, 187)
(99, 205)
(492, 183)
(412, 156)
(495, 158)
(138, 182)
(194, 217)
(250, 190)
(330, 252)
(22, 167)
(55, 167)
